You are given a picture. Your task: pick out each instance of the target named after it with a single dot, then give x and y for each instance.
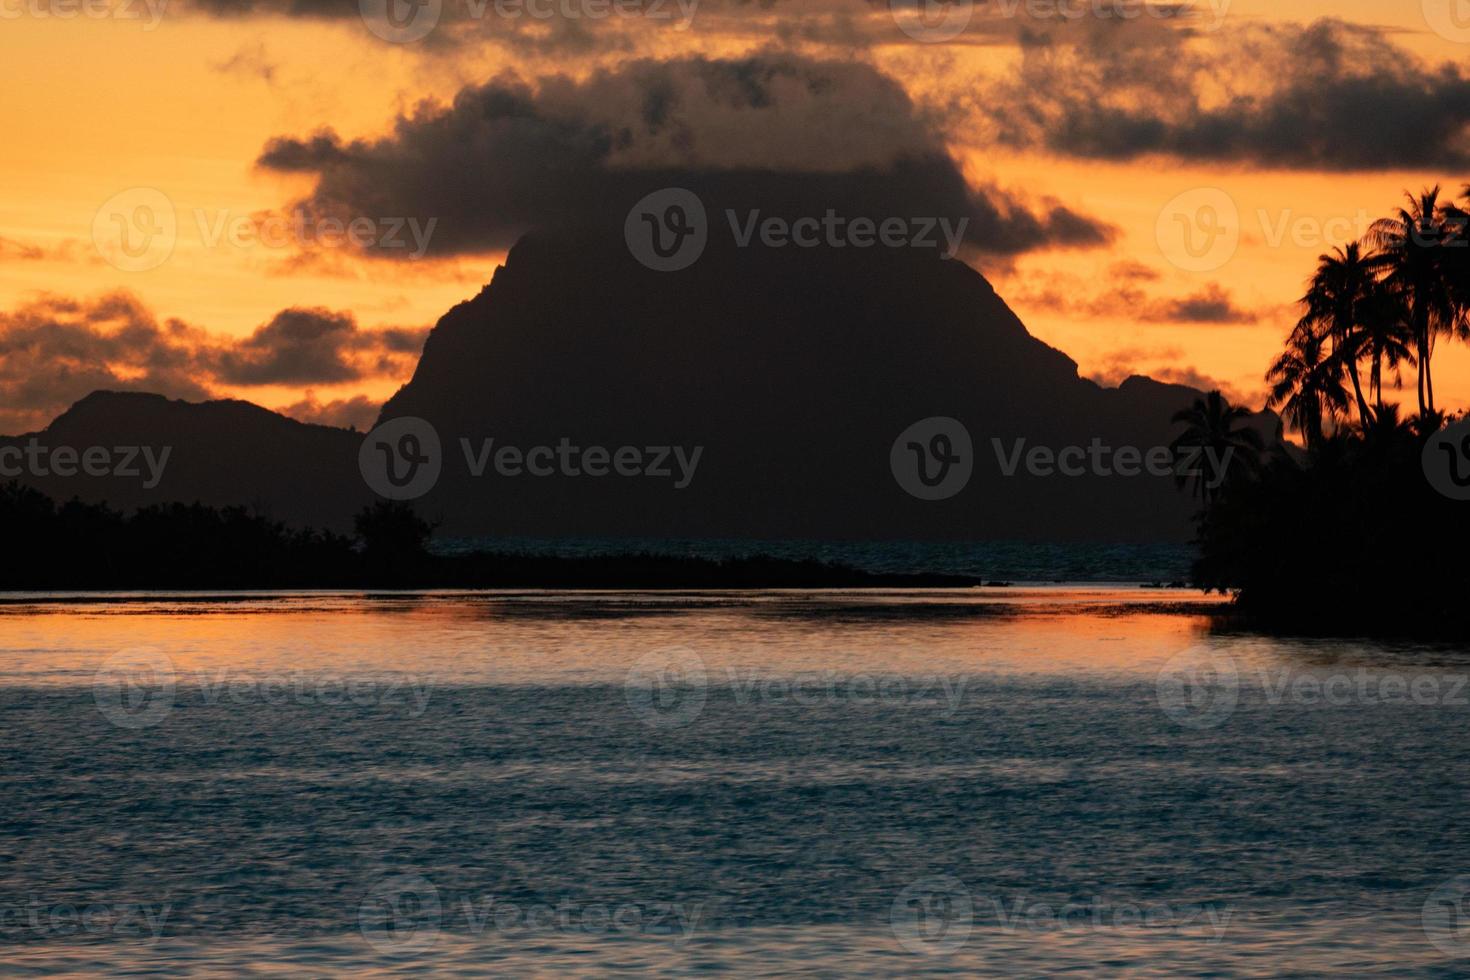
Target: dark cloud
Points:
(1330, 96)
(55, 351)
(251, 61)
(780, 133)
(1133, 270)
(358, 412)
(315, 346)
(558, 29)
(1212, 304)
(68, 250)
(1164, 364)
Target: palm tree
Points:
(1414, 268)
(1212, 426)
(1309, 385)
(1339, 297)
(1382, 335)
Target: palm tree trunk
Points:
(1428, 374)
(1421, 340)
(1375, 379)
(1363, 413)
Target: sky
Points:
(1147, 186)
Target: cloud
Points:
(55, 351)
(315, 346)
(1165, 364)
(67, 250)
(1328, 95)
(250, 61)
(776, 132)
(358, 412)
(1212, 304)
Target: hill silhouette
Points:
(220, 453)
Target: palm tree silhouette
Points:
(1415, 269)
(1213, 425)
(1383, 337)
(1340, 296)
(1309, 385)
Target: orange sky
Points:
(97, 106)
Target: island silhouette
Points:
(775, 382)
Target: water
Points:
(983, 782)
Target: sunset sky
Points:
(1084, 135)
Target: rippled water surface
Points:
(987, 782)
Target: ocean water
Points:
(982, 782)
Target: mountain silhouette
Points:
(795, 369)
(792, 370)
